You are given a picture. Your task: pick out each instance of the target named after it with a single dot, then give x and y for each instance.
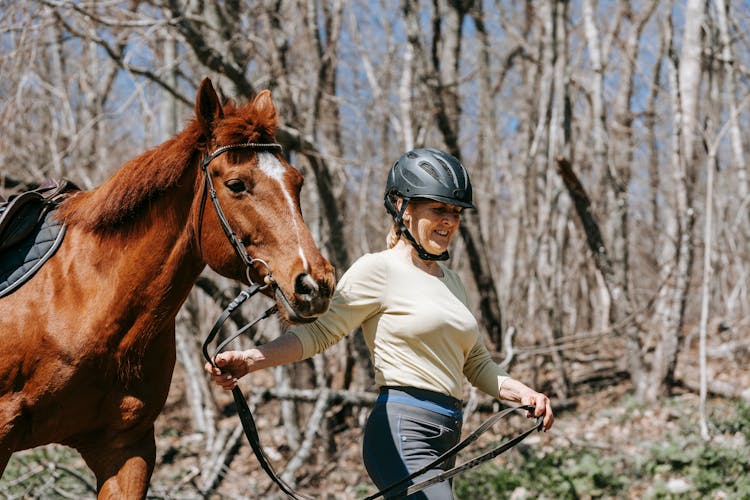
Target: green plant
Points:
(566, 473)
(736, 422)
(46, 472)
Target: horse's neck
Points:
(151, 258)
(159, 261)
(162, 247)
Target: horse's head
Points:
(258, 194)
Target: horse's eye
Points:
(236, 185)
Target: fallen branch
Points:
(312, 395)
(718, 388)
(483, 404)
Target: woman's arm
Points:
(487, 376)
(358, 295)
(233, 365)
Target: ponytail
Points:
(394, 234)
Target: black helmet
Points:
(426, 173)
(430, 173)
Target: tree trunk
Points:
(677, 262)
(442, 88)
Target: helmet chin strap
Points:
(398, 216)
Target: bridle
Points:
(208, 189)
(239, 249)
(246, 416)
(403, 486)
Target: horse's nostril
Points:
(305, 285)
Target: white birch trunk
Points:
(671, 301)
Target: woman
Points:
(413, 311)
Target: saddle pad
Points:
(19, 263)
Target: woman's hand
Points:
(513, 390)
(542, 406)
(233, 365)
(230, 367)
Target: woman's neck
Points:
(408, 253)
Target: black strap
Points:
(400, 486)
(444, 476)
(251, 432)
(246, 416)
(242, 297)
(208, 187)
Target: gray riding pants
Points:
(407, 429)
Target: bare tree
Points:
(441, 72)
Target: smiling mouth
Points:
(444, 234)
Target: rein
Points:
(246, 416)
(401, 487)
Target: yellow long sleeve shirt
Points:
(418, 327)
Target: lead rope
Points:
(251, 430)
(246, 416)
(401, 487)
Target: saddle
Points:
(29, 234)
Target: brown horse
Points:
(87, 347)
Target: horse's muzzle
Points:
(310, 299)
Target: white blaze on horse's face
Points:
(272, 167)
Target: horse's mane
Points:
(120, 199)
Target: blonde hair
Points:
(394, 234)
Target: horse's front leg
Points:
(4, 458)
(122, 470)
(12, 427)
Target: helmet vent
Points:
(427, 167)
(448, 171)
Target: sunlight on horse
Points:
(87, 347)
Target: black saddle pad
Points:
(19, 263)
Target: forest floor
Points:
(604, 445)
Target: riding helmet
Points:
(432, 174)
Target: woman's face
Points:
(432, 223)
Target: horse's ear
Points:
(265, 108)
(207, 106)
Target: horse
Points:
(87, 346)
